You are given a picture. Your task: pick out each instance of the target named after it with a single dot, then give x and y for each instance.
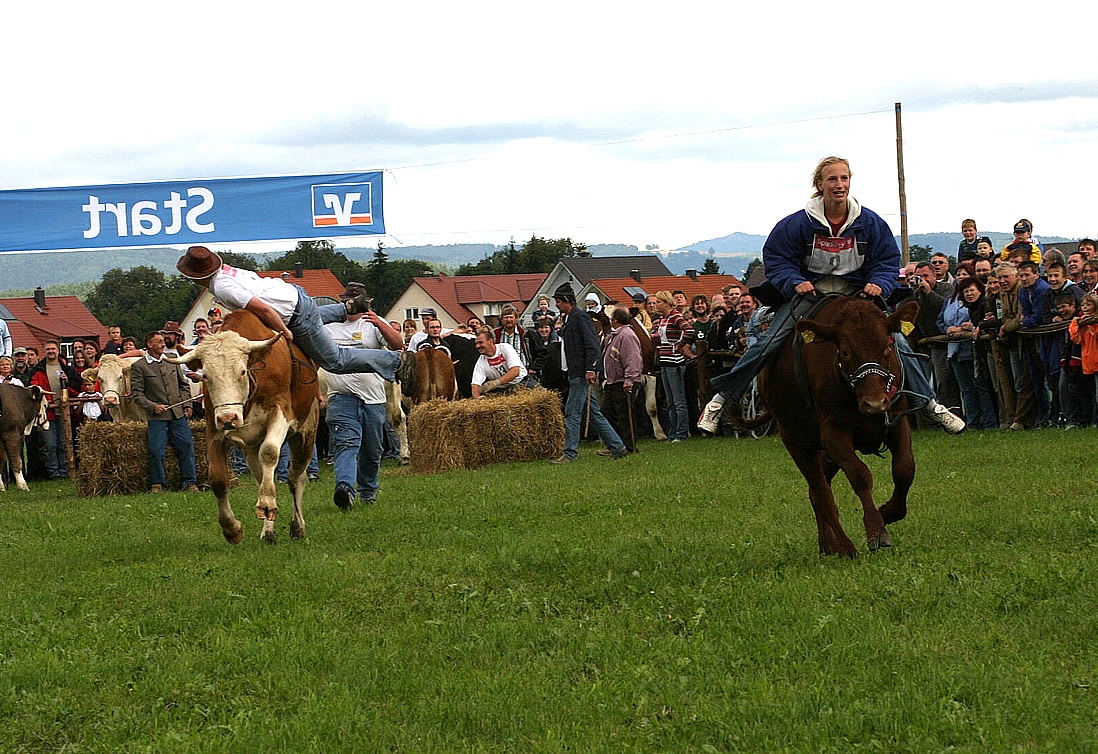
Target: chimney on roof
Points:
(583, 253)
(636, 275)
(40, 297)
(299, 269)
(692, 274)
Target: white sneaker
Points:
(710, 415)
(950, 422)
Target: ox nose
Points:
(874, 405)
(227, 420)
(110, 400)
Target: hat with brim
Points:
(20, 351)
(564, 293)
(198, 263)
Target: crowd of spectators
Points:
(1011, 336)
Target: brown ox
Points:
(845, 403)
(113, 374)
(435, 378)
(21, 410)
(260, 391)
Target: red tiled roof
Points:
(63, 317)
(614, 288)
(454, 293)
(315, 282)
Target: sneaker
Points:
(619, 455)
(314, 477)
(369, 500)
(711, 414)
(562, 459)
(406, 370)
(360, 304)
(1016, 427)
(156, 489)
(950, 422)
(191, 488)
(604, 452)
(343, 499)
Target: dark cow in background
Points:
(840, 400)
(21, 410)
(260, 391)
(435, 378)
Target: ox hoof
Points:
(876, 543)
(269, 535)
(234, 534)
(297, 531)
(405, 461)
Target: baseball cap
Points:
(19, 350)
(1023, 226)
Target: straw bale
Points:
(114, 459)
(467, 434)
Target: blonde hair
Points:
(826, 162)
(666, 297)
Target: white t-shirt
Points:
(421, 336)
(369, 388)
(494, 367)
(234, 288)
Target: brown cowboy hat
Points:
(198, 263)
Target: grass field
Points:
(672, 601)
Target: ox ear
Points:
(90, 375)
(810, 330)
(903, 319)
(37, 392)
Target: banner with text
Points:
(182, 213)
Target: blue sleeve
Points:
(783, 252)
(883, 259)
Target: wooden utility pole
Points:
(904, 249)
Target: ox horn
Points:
(259, 345)
(186, 358)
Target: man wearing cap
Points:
(579, 359)
(20, 368)
(640, 311)
(426, 315)
(289, 310)
(1023, 230)
(356, 410)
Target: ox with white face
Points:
(113, 374)
(224, 358)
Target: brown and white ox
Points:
(259, 392)
(113, 374)
(834, 389)
(21, 410)
(435, 378)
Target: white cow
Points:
(113, 374)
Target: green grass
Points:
(673, 601)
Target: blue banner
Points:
(182, 213)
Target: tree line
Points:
(143, 298)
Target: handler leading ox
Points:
(21, 410)
(834, 391)
(260, 391)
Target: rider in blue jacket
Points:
(833, 245)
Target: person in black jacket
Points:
(581, 357)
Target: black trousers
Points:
(617, 407)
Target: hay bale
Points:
(114, 459)
(525, 426)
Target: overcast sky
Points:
(633, 122)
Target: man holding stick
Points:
(160, 388)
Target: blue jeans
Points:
(179, 432)
(674, 388)
(282, 470)
(355, 430)
(307, 325)
(575, 408)
(53, 451)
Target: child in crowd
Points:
(1076, 388)
(1083, 330)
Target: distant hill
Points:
(733, 253)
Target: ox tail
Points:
(733, 415)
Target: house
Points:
(456, 299)
(579, 270)
(34, 320)
(322, 285)
(619, 291)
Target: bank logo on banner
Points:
(342, 204)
